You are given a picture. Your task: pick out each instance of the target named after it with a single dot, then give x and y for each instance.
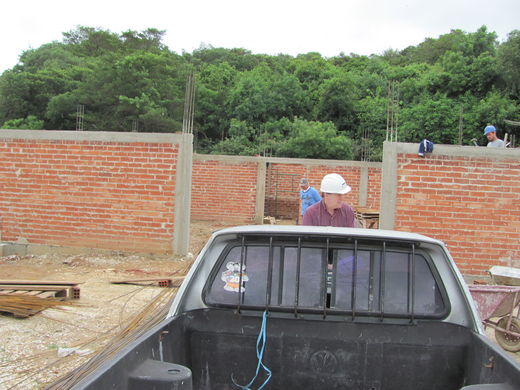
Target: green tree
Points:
(494, 108)
(241, 140)
(431, 50)
(55, 55)
(149, 40)
(309, 139)
(15, 95)
(92, 42)
(260, 96)
(336, 102)
(42, 75)
(240, 59)
(435, 118)
(483, 74)
(143, 87)
(214, 82)
(509, 63)
(311, 70)
(371, 112)
(272, 135)
(61, 111)
(29, 123)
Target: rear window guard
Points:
(327, 275)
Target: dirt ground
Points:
(30, 348)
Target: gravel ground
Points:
(30, 348)
(29, 355)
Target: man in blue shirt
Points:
(308, 195)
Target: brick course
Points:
(223, 190)
(106, 195)
(471, 203)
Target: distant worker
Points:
(491, 133)
(331, 210)
(308, 196)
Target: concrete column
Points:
(181, 228)
(388, 186)
(260, 191)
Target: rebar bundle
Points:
(27, 305)
(151, 315)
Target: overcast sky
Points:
(262, 26)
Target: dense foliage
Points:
(306, 106)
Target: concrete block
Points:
(8, 249)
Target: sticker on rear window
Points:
(232, 277)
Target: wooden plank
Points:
(147, 280)
(47, 294)
(40, 282)
(20, 292)
(28, 287)
(71, 292)
(162, 282)
(366, 210)
(34, 292)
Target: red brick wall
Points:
(282, 190)
(121, 194)
(374, 188)
(470, 203)
(223, 189)
(88, 193)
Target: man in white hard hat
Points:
(331, 210)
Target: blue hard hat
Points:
(489, 129)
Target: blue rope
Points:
(260, 346)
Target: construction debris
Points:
(23, 306)
(367, 218)
(162, 282)
(40, 288)
(269, 221)
(62, 352)
(151, 315)
(24, 298)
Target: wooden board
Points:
(162, 282)
(40, 282)
(61, 291)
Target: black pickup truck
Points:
(296, 307)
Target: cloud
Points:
(269, 26)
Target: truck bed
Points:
(315, 354)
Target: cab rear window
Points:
(314, 276)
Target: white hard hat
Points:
(334, 184)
